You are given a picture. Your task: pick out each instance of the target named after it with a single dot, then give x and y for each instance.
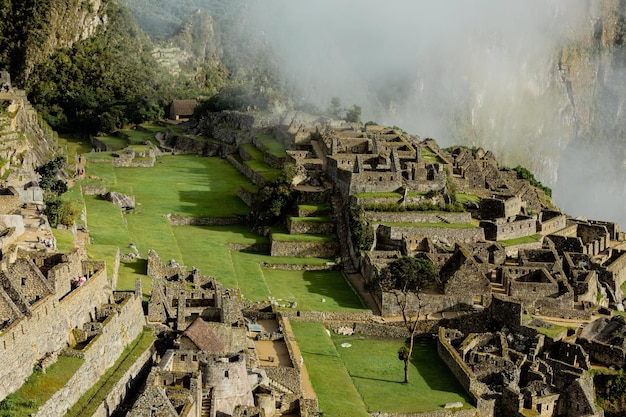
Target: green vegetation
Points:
(464, 198)
(272, 204)
(92, 399)
(429, 156)
(407, 275)
(64, 239)
(313, 290)
(368, 374)
(273, 146)
(312, 219)
(362, 234)
(40, 387)
(524, 174)
(321, 208)
(286, 237)
(327, 372)
(374, 368)
(521, 240)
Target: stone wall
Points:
(93, 189)
(305, 249)
(245, 195)
(468, 412)
(552, 225)
(454, 362)
(189, 145)
(414, 235)
(119, 329)
(502, 230)
(127, 384)
(21, 344)
(431, 303)
(417, 217)
(248, 172)
(606, 354)
(202, 221)
(308, 227)
(9, 200)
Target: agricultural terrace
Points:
(371, 376)
(193, 186)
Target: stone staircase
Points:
(277, 386)
(206, 406)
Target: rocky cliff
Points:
(26, 140)
(38, 28)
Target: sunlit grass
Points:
(40, 387)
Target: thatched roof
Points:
(182, 108)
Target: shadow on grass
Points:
(331, 285)
(401, 382)
(137, 266)
(434, 371)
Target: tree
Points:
(404, 277)
(353, 114)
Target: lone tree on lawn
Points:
(404, 277)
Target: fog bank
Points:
(479, 73)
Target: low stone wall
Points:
(468, 412)
(307, 227)
(417, 217)
(248, 172)
(305, 249)
(245, 195)
(513, 250)
(363, 201)
(134, 162)
(202, 221)
(189, 145)
(296, 267)
(323, 316)
(126, 383)
(93, 189)
(309, 407)
(253, 247)
(392, 233)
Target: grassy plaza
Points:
(192, 186)
(371, 376)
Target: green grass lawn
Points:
(429, 156)
(73, 145)
(92, 399)
(378, 375)
(286, 237)
(273, 146)
(139, 136)
(267, 172)
(64, 239)
(113, 143)
(337, 396)
(40, 387)
(313, 290)
(314, 207)
(187, 186)
(254, 152)
(313, 219)
(370, 375)
(521, 240)
(464, 198)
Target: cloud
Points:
(474, 72)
